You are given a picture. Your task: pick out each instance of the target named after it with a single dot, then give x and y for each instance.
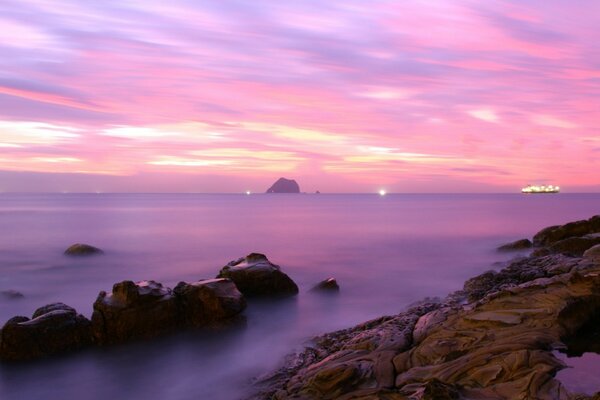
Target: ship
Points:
(533, 189)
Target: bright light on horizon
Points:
(382, 192)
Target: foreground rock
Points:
(255, 275)
(283, 185)
(492, 340)
(55, 328)
(81, 249)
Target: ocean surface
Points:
(385, 251)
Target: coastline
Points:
(494, 339)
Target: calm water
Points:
(386, 252)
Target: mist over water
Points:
(385, 251)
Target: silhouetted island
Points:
(284, 185)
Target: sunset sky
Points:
(346, 96)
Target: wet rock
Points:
(209, 302)
(553, 234)
(55, 328)
(255, 275)
(11, 294)
(329, 285)
(81, 249)
(134, 311)
(283, 185)
(516, 245)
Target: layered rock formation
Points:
(492, 340)
(255, 275)
(283, 185)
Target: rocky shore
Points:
(135, 311)
(494, 339)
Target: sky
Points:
(343, 96)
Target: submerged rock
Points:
(55, 328)
(516, 245)
(327, 285)
(134, 311)
(209, 302)
(255, 275)
(283, 185)
(11, 294)
(81, 249)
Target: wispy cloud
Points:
(347, 91)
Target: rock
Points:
(255, 275)
(517, 245)
(593, 253)
(553, 234)
(55, 328)
(134, 311)
(81, 249)
(574, 246)
(498, 346)
(11, 294)
(328, 285)
(283, 185)
(209, 302)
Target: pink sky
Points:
(348, 96)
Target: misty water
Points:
(385, 251)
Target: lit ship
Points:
(540, 189)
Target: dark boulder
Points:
(11, 294)
(516, 245)
(134, 311)
(284, 185)
(553, 234)
(328, 285)
(81, 249)
(255, 275)
(209, 302)
(55, 328)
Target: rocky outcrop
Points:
(492, 340)
(521, 244)
(255, 275)
(283, 185)
(54, 328)
(81, 249)
(209, 302)
(329, 285)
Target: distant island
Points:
(284, 185)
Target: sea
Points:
(386, 252)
